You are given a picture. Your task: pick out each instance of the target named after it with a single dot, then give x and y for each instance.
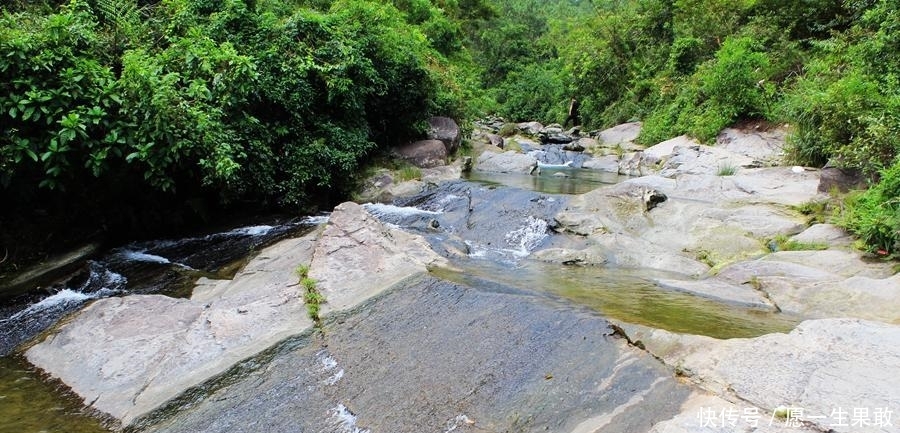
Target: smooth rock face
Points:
(703, 160)
(828, 234)
(760, 143)
(568, 257)
(435, 356)
(825, 368)
(507, 162)
(619, 134)
(357, 256)
(666, 148)
(445, 130)
(45, 272)
(608, 163)
(126, 356)
(736, 294)
(531, 128)
(424, 153)
(708, 413)
(841, 179)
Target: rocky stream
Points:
(569, 283)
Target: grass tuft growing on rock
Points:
(508, 130)
(409, 172)
(311, 295)
(726, 169)
(784, 243)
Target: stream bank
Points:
(469, 296)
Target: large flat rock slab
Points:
(434, 356)
(506, 162)
(126, 356)
(761, 142)
(825, 369)
(357, 256)
(707, 413)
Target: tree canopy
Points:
(280, 102)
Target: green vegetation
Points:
(409, 172)
(874, 215)
(817, 211)
(312, 298)
(785, 243)
(726, 169)
(283, 102)
(251, 99)
(302, 271)
(508, 130)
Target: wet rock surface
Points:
(487, 347)
(126, 356)
(434, 356)
(357, 256)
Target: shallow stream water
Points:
(487, 225)
(29, 402)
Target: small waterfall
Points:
(167, 266)
(528, 236)
(28, 319)
(345, 420)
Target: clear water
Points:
(561, 180)
(31, 404)
(626, 295)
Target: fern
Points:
(122, 16)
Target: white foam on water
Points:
(379, 209)
(251, 230)
(328, 362)
(526, 237)
(454, 423)
(476, 251)
(315, 220)
(346, 420)
(141, 256)
(447, 200)
(62, 298)
(567, 164)
(335, 378)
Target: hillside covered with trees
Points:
(123, 104)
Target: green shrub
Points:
(508, 130)
(720, 91)
(874, 215)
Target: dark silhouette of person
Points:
(573, 114)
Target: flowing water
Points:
(486, 225)
(28, 402)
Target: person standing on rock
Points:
(573, 113)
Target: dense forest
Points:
(124, 113)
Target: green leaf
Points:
(13, 112)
